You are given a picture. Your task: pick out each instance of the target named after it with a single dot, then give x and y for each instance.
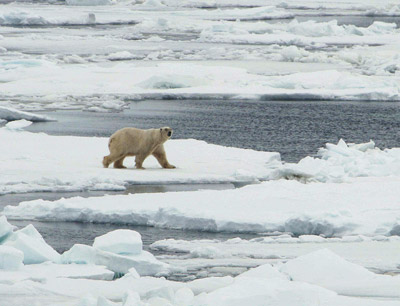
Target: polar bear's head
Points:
(166, 133)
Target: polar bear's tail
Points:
(109, 142)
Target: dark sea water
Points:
(296, 129)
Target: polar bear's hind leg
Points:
(119, 163)
(107, 160)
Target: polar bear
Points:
(139, 143)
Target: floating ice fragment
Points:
(10, 258)
(144, 263)
(31, 243)
(121, 241)
(5, 228)
(89, 2)
(18, 124)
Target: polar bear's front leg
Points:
(161, 156)
(139, 162)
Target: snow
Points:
(29, 168)
(10, 258)
(120, 242)
(263, 290)
(328, 270)
(209, 284)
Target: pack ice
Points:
(309, 279)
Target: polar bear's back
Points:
(134, 141)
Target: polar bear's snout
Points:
(169, 134)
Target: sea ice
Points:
(144, 263)
(325, 268)
(5, 228)
(341, 161)
(27, 167)
(330, 209)
(9, 114)
(89, 2)
(120, 241)
(18, 124)
(46, 271)
(373, 253)
(10, 258)
(31, 243)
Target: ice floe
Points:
(5, 228)
(267, 285)
(39, 162)
(18, 124)
(10, 114)
(341, 161)
(10, 258)
(284, 205)
(308, 33)
(328, 270)
(144, 263)
(120, 242)
(31, 243)
(203, 257)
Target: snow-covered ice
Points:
(18, 124)
(352, 62)
(144, 263)
(328, 270)
(48, 270)
(10, 258)
(120, 251)
(120, 242)
(187, 80)
(301, 279)
(5, 228)
(376, 253)
(330, 209)
(31, 243)
(27, 167)
(11, 114)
